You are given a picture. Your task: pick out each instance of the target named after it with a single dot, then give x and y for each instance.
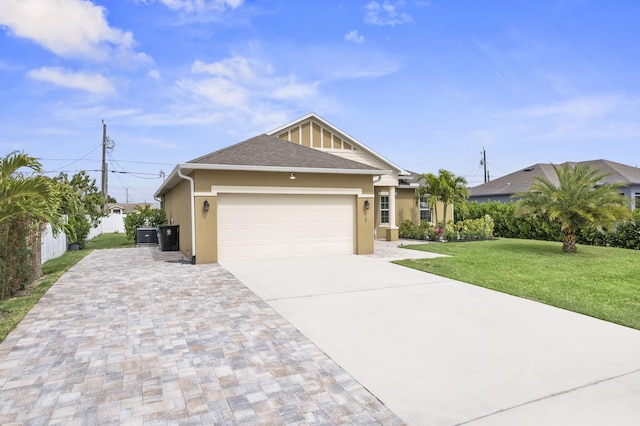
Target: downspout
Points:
(193, 215)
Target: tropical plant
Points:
(81, 202)
(445, 188)
(578, 201)
(429, 190)
(453, 189)
(143, 216)
(27, 201)
(31, 195)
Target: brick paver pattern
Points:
(136, 336)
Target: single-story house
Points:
(503, 188)
(304, 188)
(124, 208)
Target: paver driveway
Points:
(133, 336)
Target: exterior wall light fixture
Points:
(367, 204)
(292, 176)
(205, 206)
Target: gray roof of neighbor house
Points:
(129, 207)
(521, 180)
(265, 150)
(266, 153)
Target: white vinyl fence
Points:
(108, 225)
(51, 246)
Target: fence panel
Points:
(52, 246)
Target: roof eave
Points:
(187, 168)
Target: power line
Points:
(81, 158)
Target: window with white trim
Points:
(384, 209)
(637, 203)
(425, 211)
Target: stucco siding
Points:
(177, 206)
(406, 207)
(208, 182)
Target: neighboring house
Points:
(503, 188)
(304, 188)
(124, 208)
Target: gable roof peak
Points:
(353, 141)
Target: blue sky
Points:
(427, 84)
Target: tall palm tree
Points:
(430, 190)
(453, 189)
(579, 200)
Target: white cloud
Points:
(92, 83)
(199, 6)
(354, 36)
(587, 107)
(154, 75)
(68, 28)
(242, 87)
(386, 14)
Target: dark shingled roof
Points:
(521, 180)
(265, 150)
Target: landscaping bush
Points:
(17, 262)
(470, 229)
(507, 225)
(411, 230)
(143, 217)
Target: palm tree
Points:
(26, 203)
(430, 190)
(453, 189)
(20, 195)
(578, 201)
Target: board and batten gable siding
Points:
(311, 134)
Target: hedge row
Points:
(507, 225)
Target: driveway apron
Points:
(441, 352)
(136, 336)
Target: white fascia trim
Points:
(281, 190)
(359, 144)
(172, 175)
(372, 172)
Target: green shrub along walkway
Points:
(601, 282)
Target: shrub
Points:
(17, 262)
(470, 229)
(142, 217)
(411, 230)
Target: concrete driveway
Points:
(441, 352)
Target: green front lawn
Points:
(601, 282)
(13, 310)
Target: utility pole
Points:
(483, 162)
(105, 192)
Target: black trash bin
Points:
(168, 237)
(146, 236)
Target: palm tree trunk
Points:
(569, 242)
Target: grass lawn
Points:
(13, 310)
(105, 241)
(601, 282)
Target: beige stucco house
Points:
(304, 188)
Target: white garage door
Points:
(251, 225)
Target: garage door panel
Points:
(284, 225)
